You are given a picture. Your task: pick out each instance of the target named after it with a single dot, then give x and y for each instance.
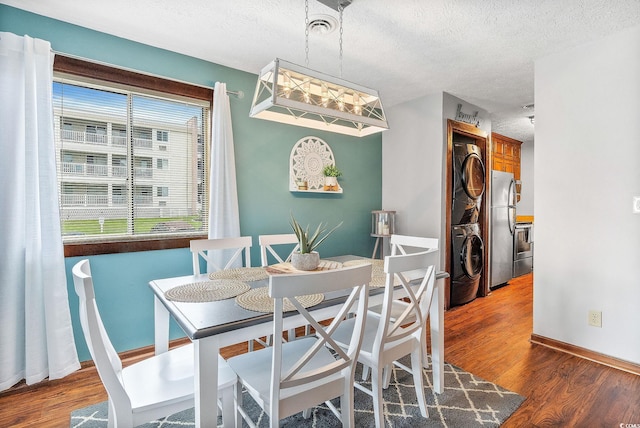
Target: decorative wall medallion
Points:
(308, 158)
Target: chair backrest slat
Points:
(268, 241)
(231, 250)
(402, 244)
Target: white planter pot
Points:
(331, 183)
(307, 261)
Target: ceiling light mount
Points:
(336, 4)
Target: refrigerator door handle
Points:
(511, 196)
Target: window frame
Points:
(105, 73)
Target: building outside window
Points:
(106, 156)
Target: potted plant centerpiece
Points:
(306, 258)
(331, 174)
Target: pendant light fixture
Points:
(296, 95)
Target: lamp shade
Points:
(292, 94)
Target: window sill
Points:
(78, 249)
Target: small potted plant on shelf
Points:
(331, 174)
(306, 258)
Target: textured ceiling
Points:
(482, 51)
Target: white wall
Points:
(525, 206)
(587, 158)
(414, 153)
(412, 160)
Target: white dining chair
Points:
(153, 388)
(405, 244)
(289, 241)
(292, 377)
(386, 338)
(230, 249)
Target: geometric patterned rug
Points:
(467, 401)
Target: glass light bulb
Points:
(341, 99)
(286, 83)
(306, 90)
(357, 108)
(325, 96)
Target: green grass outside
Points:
(119, 225)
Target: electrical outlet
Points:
(636, 204)
(595, 318)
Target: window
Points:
(105, 155)
(162, 136)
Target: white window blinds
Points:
(130, 164)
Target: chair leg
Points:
(376, 389)
(346, 406)
(365, 372)
(423, 349)
(416, 368)
(229, 418)
(388, 369)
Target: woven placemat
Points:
(241, 274)
(378, 277)
(257, 299)
(207, 291)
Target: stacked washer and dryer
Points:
(467, 256)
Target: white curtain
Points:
(224, 216)
(36, 337)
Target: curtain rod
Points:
(237, 94)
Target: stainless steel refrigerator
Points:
(503, 222)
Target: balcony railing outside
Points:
(142, 143)
(101, 139)
(103, 200)
(119, 171)
(118, 200)
(143, 200)
(85, 169)
(85, 200)
(143, 172)
(118, 141)
(93, 138)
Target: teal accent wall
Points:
(262, 164)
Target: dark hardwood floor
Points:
(488, 337)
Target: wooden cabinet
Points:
(505, 156)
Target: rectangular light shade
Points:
(292, 94)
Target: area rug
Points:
(467, 401)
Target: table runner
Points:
(207, 291)
(281, 268)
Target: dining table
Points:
(213, 322)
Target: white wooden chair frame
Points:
(388, 338)
(266, 242)
(304, 373)
(400, 244)
(202, 247)
(140, 393)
